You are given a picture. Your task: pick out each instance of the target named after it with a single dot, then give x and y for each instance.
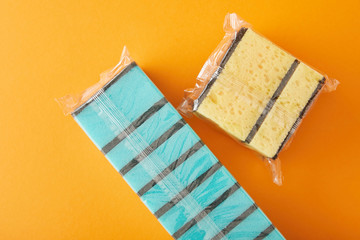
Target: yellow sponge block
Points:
(259, 94)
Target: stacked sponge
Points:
(260, 93)
(162, 159)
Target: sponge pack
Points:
(254, 90)
(163, 160)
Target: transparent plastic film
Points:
(163, 160)
(231, 25)
(71, 102)
(255, 91)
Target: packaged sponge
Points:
(255, 91)
(163, 160)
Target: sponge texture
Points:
(245, 85)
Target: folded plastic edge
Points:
(69, 103)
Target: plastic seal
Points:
(71, 102)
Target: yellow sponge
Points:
(285, 115)
(259, 93)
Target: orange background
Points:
(55, 184)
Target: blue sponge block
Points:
(166, 164)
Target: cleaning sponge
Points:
(259, 93)
(162, 159)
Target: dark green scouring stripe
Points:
(206, 211)
(226, 57)
(135, 124)
(265, 233)
(272, 101)
(239, 35)
(186, 191)
(153, 146)
(171, 168)
(235, 222)
(301, 115)
(106, 86)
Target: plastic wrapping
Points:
(163, 160)
(254, 91)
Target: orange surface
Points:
(55, 184)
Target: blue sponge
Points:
(166, 163)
